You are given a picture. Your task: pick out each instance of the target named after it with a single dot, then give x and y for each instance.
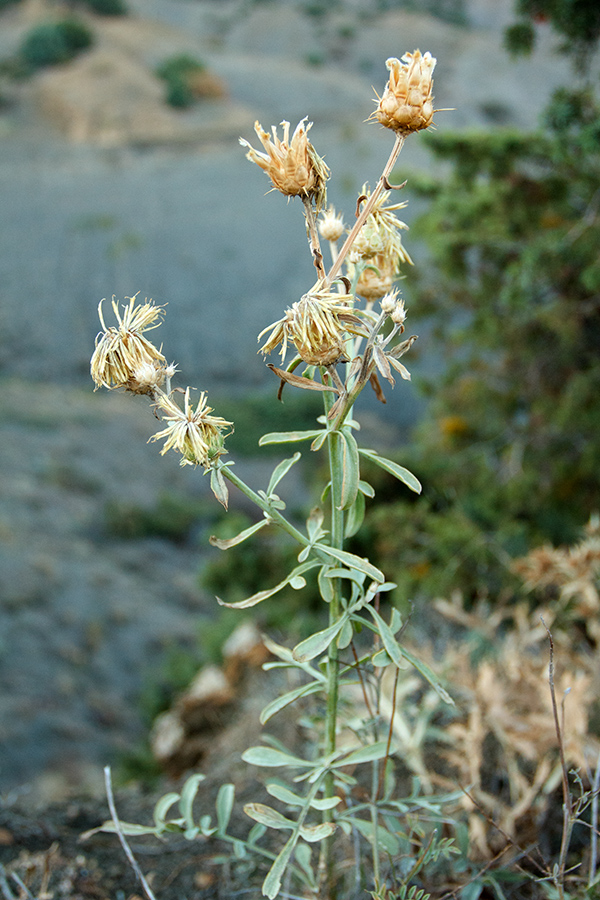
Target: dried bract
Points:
(331, 225)
(317, 325)
(294, 166)
(123, 357)
(193, 432)
(407, 102)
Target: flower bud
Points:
(331, 225)
(407, 102)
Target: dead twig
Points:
(121, 836)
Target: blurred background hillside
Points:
(115, 180)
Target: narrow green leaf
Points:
(284, 795)
(163, 806)
(363, 754)
(319, 441)
(267, 756)
(326, 802)
(292, 579)
(285, 699)
(385, 839)
(303, 857)
(394, 469)
(325, 585)
(281, 470)
(272, 883)
(188, 795)
(350, 465)
(287, 437)
(268, 816)
(317, 643)
(365, 488)
(354, 562)
(313, 833)
(225, 544)
(128, 828)
(429, 676)
(346, 635)
(224, 806)
(388, 639)
(355, 516)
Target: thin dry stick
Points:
(389, 737)
(567, 799)
(313, 237)
(594, 824)
(121, 836)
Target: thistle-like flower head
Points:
(407, 101)
(293, 165)
(193, 432)
(317, 325)
(123, 357)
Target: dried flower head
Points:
(123, 356)
(331, 225)
(407, 102)
(293, 166)
(375, 279)
(317, 325)
(194, 433)
(381, 232)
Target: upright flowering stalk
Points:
(339, 346)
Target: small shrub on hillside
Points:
(178, 72)
(55, 42)
(107, 7)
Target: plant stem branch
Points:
(313, 237)
(382, 184)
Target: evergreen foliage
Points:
(52, 43)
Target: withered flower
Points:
(123, 357)
(407, 102)
(194, 433)
(331, 225)
(293, 166)
(317, 325)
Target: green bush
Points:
(177, 72)
(55, 42)
(107, 7)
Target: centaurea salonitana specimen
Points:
(341, 341)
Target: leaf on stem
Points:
(268, 816)
(353, 561)
(294, 579)
(430, 676)
(350, 465)
(317, 643)
(313, 833)
(301, 382)
(224, 806)
(282, 469)
(285, 699)
(219, 487)
(289, 437)
(188, 795)
(227, 543)
(391, 645)
(271, 758)
(394, 469)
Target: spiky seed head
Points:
(317, 326)
(376, 278)
(293, 165)
(331, 225)
(193, 432)
(123, 357)
(407, 101)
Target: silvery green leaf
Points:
(365, 488)
(128, 828)
(285, 699)
(303, 857)
(319, 441)
(395, 621)
(385, 839)
(281, 470)
(272, 883)
(188, 795)
(313, 833)
(256, 832)
(267, 756)
(326, 802)
(206, 827)
(285, 795)
(429, 676)
(304, 554)
(363, 754)
(390, 643)
(314, 523)
(239, 851)
(394, 469)
(354, 562)
(350, 466)
(349, 574)
(355, 516)
(287, 437)
(292, 579)
(162, 807)
(224, 806)
(317, 643)
(381, 659)
(346, 635)
(325, 585)
(225, 544)
(268, 816)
